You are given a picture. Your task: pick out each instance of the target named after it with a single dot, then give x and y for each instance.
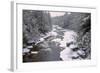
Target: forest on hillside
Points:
(43, 34)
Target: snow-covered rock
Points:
(25, 50)
(66, 54)
(57, 40)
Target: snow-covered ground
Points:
(69, 37)
(66, 44)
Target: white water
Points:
(68, 37)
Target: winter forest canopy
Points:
(56, 36)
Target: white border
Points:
(18, 65)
